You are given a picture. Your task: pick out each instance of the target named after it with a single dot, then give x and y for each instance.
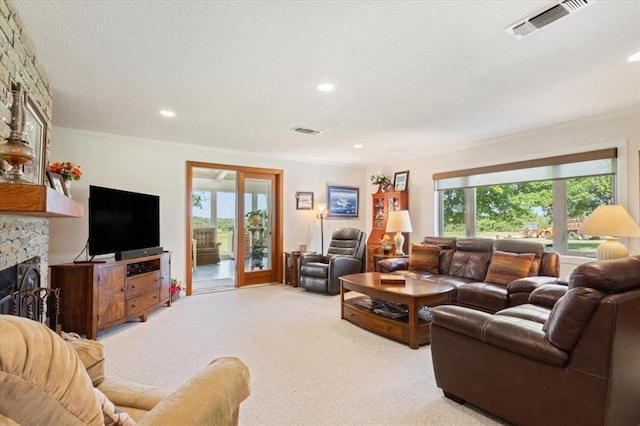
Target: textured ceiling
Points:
(412, 78)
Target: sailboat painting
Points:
(342, 201)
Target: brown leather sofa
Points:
(464, 263)
(571, 362)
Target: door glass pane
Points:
(213, 219)
(258, 208)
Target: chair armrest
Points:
(527, 285)
(212, 397)
(124, 393)
(394, 264)
(310, 257)
(547, 295)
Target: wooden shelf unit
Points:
(98, 296)
(37, 200)
(383, 203)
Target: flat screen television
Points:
(123, 222)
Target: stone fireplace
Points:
(22, 276)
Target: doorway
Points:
(232, 240)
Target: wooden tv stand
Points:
(97, 296)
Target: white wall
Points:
(620, 129)
(157, 167)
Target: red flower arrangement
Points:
(176, 286)
(67, 169)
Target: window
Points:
(546, 200)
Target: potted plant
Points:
(386, 244)
(257, 218)
(176, 288)
(383, 182)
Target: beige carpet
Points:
(308, 367)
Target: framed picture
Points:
(304, 200)
(342, 202)
(401, 180)
(56, 182)
(37, 140)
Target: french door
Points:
(242, 207)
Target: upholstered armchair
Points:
(49, 379)
(207, 247)
(320, 273)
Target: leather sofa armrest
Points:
(547, 295)
(310, 257)
(213, 396)
(528, 284)
(469, 322)
(511, 334)
(393, 264)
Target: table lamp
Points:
(398, 221)
(611, 221)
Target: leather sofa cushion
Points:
(471, 258)
(530, 312)
(506, 267)
(547, 294)
(46, 385)
(424, 258)
(570, 316)
(486, 296)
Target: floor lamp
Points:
(322, 215)
(610, 221)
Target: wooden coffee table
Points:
(413, 293)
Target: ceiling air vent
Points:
(306, 131)
(546, 16)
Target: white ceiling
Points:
(412, 78)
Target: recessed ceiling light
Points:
(357, 146)
(634, 58)
(326, 87)
(167, 113)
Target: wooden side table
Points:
(380, 256)
(291, 268)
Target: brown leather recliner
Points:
(572, 362)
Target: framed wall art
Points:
(37, 140)
(401, 180)
(56, 181)
(304, 200)
(342, 202)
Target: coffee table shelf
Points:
(414, 294)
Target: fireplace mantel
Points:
(37, 200)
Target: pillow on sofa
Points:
(424, 258)
(91, 353)
(113, 416)
(506, 267)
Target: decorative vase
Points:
(175, 297)
(386, 251)
(67, 185)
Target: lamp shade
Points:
(399, 221)
(610, 220)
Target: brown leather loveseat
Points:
(488, 274)
(572, 362)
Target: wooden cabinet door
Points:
(111, 285)
(165, 277)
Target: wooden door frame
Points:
(275, 275)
